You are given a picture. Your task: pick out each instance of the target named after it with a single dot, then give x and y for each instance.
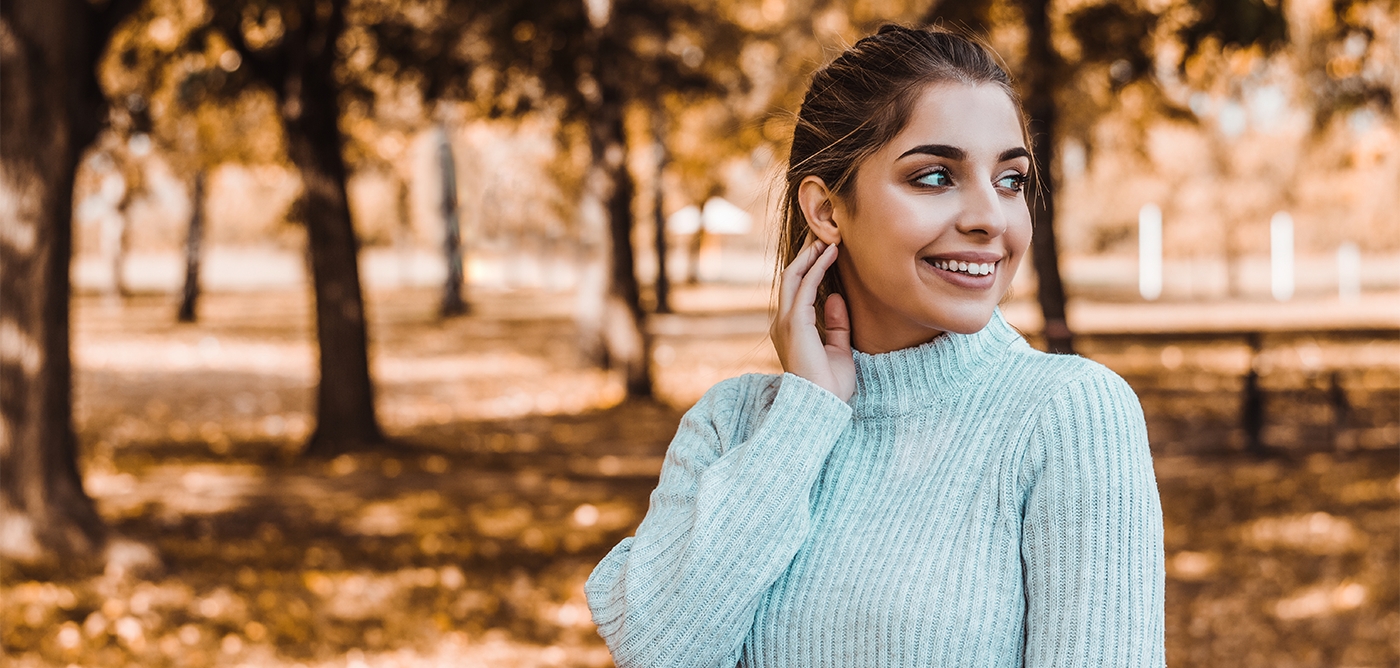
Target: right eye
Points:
(938, 178)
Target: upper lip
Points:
(967, 256)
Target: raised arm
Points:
(1092, 532)
(726, 519)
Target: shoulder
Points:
(1085, 415)
(733, 397)
(735, 408)
(1057, 380)
(732, 406)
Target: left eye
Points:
(1012, 181)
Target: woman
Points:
(922, 487)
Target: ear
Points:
(820, 208)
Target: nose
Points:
(982, 212)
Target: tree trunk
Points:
(625, 328)
(49, 112)
(619, 320)
(189, 298)
(113, 228)
(663, 280)
(403, 234)
(694, 246)
(345, 417)
(123, 246)
(1038, 85)
(452, 302)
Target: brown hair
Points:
(859, 102)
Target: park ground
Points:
(514, 467)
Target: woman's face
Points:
(937, 222)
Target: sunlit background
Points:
(1226, 181)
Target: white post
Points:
(1281, 255)
(1150, 252)
(1348, 271)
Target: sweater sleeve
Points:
(726, 519)
(1091, 540)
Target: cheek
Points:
(1019, 230)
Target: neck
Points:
(883, 343)
(874, 336)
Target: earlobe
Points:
(819, 209)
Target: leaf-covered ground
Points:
(514, 468)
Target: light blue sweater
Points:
(976, 503)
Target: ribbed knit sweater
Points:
(975, 503)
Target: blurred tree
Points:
(317, 56)
(1348, 61)
(620, 333)
(662, 287)
(186, 97)
(452, 301)
(292, 48)
(51, 109)
(189, 296)
(402, 66)
(134, 182)
(723, 66)
(598, 58)
(119, 163)
(1039, 80)
(588, 62)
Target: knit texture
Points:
(976, 503)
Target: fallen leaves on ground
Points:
(515, 467)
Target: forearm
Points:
(686, 587)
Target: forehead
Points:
(978, 118)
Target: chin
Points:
(968, 319)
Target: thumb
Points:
(838, 323)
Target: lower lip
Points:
(964, 280)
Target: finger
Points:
(793, 274)
(807, 290)
(838, 323)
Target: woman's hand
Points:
(794, 332)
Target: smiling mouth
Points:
(968, 268)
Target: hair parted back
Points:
(860, 102)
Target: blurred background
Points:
(364, 330)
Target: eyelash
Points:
(1019, 182)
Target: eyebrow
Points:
(955, 153)
(1013, 153)
(940, 150)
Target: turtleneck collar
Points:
(906, 380)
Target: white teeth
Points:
(972, 268)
